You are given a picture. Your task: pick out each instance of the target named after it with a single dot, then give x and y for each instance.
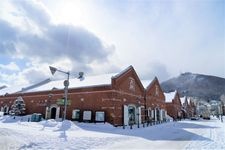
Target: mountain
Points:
(196, 85)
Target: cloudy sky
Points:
(160, 38)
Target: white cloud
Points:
(11, 67)
(160, 38)
(44, 42)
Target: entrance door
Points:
(6, 109)
(131, 114)
(53, 113)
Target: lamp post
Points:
(66, 84)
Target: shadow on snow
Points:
(167, 131)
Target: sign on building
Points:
(61, 101)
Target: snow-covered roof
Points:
(49, 84)
(169, 96)
(146, 83)
(182, 100)
(21, 88)
(104, 79)
(122, 72)
(11, 90)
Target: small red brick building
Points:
(173, 105)
(114, 98)
(154, 101)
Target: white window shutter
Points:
(46, 112)
(149, 112)
(57, 112)
(152, 114)
(125, 115)
(139, 111)
(161, 114)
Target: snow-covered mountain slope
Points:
(196, 85)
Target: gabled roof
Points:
(122, 72)
(130, 68)
(151, 83)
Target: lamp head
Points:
(52, 69)
(81, 74)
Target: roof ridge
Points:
(36, 85)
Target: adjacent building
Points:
(154, 101)
(173, 105)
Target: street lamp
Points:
(66, 84)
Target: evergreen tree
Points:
(18, 107)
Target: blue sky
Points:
(160, 38)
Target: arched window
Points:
(157, 90)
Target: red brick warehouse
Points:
(106, 97)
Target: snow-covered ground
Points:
(196, 134)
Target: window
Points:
(76, 114)
(157, 90)
(100, 116)
(87, 115)
(131, 84)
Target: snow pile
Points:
(169, 118)
(49, 123)
(50, 134)
(1, 114)
(67, 126)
